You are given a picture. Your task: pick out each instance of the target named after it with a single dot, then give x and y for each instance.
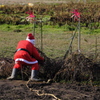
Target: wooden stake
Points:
(41, 36)
(79, 37)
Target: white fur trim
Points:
(28, 62)
(31, 40)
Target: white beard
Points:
(32, 41)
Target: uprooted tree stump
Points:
(76, 67)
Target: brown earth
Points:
(22, 89)
(17, 90)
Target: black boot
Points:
(13, 75)
(34, 76)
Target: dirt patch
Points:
(17, 90)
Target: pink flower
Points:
(30, 17)
(31, 14)
(76, 15)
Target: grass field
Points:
(55, 43)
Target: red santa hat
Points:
(30, 38)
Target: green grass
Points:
(46, 28)
(11, 28)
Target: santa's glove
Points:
(41, 62)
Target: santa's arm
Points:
(36, 54)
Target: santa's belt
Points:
(22, 49)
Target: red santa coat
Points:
(31, 57)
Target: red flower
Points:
(76, 14)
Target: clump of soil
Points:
(77, 68)
(6, 65)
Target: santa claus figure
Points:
(27, 54)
